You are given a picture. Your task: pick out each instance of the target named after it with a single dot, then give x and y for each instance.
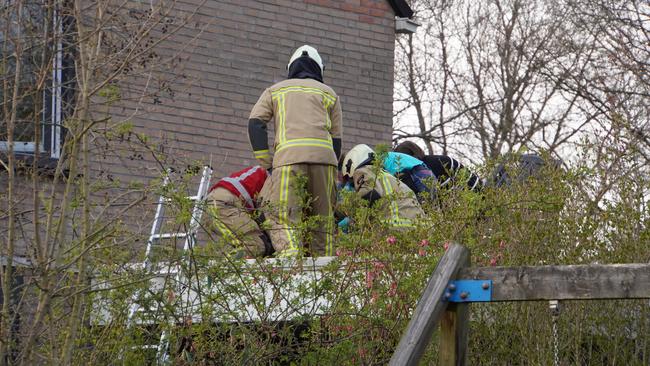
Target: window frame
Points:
(53, 112)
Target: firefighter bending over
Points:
(232, 204)
(372, 183)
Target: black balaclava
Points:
(305, 68)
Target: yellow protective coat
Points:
(399, 207)
(307, 116)
(231, 221)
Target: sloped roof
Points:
(401, 8)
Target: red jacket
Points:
(245, 184)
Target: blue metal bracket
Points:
(469, 291)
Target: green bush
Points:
(259, 314)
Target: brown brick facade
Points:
(194, 108)
(236, 48)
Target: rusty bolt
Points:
(485, 286)
(463, 295)
(452, 287)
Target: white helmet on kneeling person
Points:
(355, 158)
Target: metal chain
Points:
(556, 356)
(554, 306)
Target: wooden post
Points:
(454, 333)
(430, 308)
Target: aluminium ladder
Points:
(190, 239)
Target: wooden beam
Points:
(574, 282)
(429, 309)
(454, 332)
(454, 335)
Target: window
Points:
(34, 33)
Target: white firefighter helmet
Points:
(308, 51)
(356, 157)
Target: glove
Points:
(344, 225)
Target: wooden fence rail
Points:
(525, 283)
(575, 282)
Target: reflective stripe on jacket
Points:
(307, 116)
(401, 207)
(245, 184)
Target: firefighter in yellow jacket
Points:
(307, 117)
(400, 207)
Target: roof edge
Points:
(401, 8)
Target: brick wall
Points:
(233, 49)
(194, 106)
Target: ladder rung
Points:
(142, 309)
(168, 236)
(191, 198)
(145, 346)
(165, 272)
